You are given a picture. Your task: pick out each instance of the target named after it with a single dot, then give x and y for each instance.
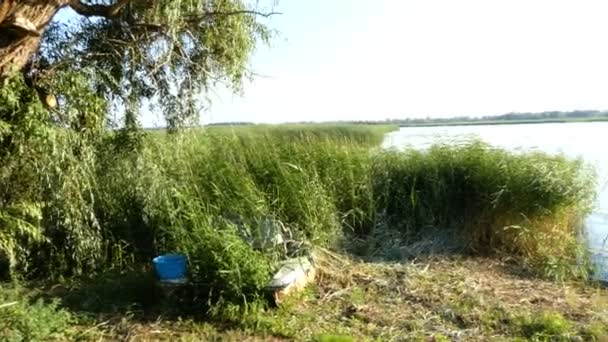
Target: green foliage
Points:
(596, 331)
(224, 267)
(212, 194)
(530, 205)
(334, 338)
(209, 195)
(23, 318)
(160, 55)
(46, 183)
(370, 136)
(545, 327)
(20, 233)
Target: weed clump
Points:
(24, 318)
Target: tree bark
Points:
(22, 23)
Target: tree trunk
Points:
(22, 23)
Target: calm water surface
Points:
(586, 140)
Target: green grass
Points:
(334, 338)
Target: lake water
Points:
(586, 140)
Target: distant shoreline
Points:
(503, 122)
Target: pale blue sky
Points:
(376, 59)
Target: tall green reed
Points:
(209, 193)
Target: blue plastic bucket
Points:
(170, 266)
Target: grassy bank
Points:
(96, 212)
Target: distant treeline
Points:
(542, 116)
(551, 116)
(238, 123)
(577, 114)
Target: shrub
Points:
(23, 318)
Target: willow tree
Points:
(122, 54)
(95, 60)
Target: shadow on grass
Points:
(386, 245)
(135, 294)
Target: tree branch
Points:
(208, 16)
(259, 14)
(199, 17)
(106, 11)
(110, 11)
(229, 13)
